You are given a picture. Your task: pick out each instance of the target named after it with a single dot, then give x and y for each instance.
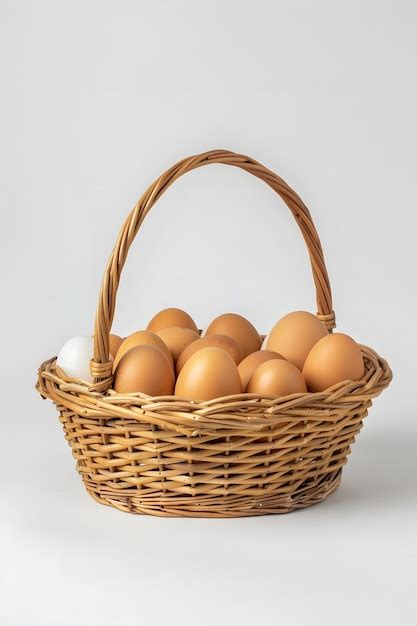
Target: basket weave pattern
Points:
(235, 456)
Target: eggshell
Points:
(237, 327)
(170, 318)
(294, 335)
(212, 341)
(114, 343)
(144, 369)
(251, 363)
(209, 373)
(333, 359)
(75, 356)
(276, 377)
(177, 339)
(141, 337)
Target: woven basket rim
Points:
(228, 412)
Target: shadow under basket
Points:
(236, 456)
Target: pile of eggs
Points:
(170, 357)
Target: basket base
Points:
(165, 505)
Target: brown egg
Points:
(209, 373)
(251, 363)
(171, 318)
(237, 327)
(213, 341)
(177, 339)
(333, 359)
(276, 377)
(145, 369)
(294, 336)
(141, 337)
(114, 344)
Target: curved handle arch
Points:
(101, 366)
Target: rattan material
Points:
(235, 456)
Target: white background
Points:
(97, 99)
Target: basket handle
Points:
(101, 367)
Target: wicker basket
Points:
(235, 456)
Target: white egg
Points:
(74, 358)
(264, 343)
